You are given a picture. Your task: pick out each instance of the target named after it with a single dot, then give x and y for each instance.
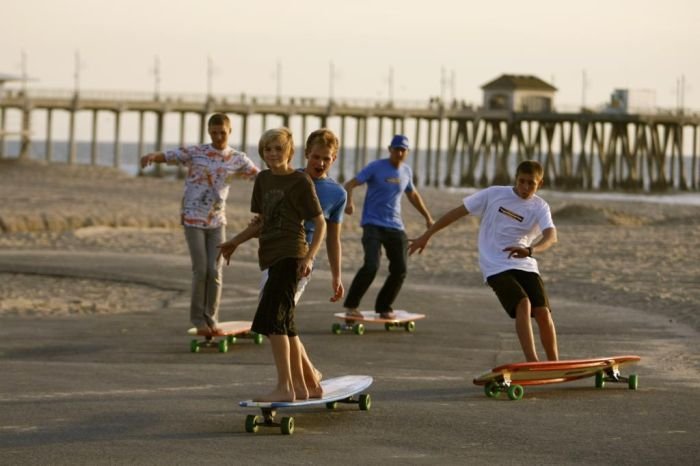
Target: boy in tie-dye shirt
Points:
(210, 169)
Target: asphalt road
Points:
(125, 389)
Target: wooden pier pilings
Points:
(452, 144)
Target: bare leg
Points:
(548, 334)
(523, 327)
(300, 390)
(284, 391)
(311, 375)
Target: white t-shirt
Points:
(507, 220)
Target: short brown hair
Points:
(323, 137)
(530, 167)
(219, 119)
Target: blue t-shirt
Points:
(332, 197)
(385, 185)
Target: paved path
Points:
(124, 388)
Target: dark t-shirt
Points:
(284, 201)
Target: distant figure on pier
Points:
(516, 224)
(382, 225)
(211, 168)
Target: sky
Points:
(377, 48)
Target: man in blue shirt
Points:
(382, 225)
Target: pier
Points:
(453, 144)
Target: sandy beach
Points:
(640, 254)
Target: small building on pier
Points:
(519, 93)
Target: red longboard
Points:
(511, 378)
(228, 332)
(401, 318)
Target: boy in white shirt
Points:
(515, 225)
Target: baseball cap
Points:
(399, 140)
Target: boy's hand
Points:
(338, 290)
(146, 160)
(306, 265)
(349, 208)
(226, 250)
(519, 252)
(417, 244)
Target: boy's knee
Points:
(542, 314)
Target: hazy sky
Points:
(637, 44)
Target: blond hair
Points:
(283, 135)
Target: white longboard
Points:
(335, 390)
(401, 318)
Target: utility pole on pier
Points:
(76, 72)
(331, 81)
(390, 82)
(156, 77)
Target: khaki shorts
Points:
(513, 285)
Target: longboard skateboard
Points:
(229, 331)
(511, 378)
(404, 319)
(345, 389)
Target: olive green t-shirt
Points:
(284, 202)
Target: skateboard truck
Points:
(286, 423)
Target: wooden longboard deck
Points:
(371, 316)
(233, 327)
(534, 373)
(335, 389)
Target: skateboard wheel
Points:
(359, 329)
(251, 423)
(365, 402)
(194, 346)
(287, 425)
(231, 339)
(335, 328)
(492, 390)
(633, 382)
(410, 326)
(223, 346)
(599, 380)
(515, 392)
(332, 404)
(257, 338)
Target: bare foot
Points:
(318, 374)
(276, 395)
(316, 392)
(301, 393)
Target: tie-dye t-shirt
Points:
(209, 173)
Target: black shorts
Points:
(513, 285)
(275, 314)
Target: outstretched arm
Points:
(421, 242)
(417, 201)
(349, 186)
